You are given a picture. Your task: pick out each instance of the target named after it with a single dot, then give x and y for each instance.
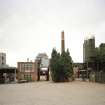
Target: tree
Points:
(54, 64)
(100, 57)
(61, 66)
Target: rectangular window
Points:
(28, 77)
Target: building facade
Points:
(27, 71)
(89, 52)
(42, 61)
(2, 58)
(7, 74)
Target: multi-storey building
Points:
(27, 71)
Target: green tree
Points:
(54, 64)
(100, 57)
(61, 66)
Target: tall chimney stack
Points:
(62, 42)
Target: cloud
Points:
(28, 27)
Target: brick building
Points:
(27, 71)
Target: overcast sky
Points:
(29, 27)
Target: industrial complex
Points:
(32, 71)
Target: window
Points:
(28, 77)
(28, 66)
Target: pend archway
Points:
(43, 72)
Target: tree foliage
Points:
(100, 58)
(61, 66)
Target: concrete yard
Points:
(48, 93)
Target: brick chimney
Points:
(62, 42)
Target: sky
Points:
(29, 27)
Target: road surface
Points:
(48, 93)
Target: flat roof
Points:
(6, 67)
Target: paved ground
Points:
(48, 93)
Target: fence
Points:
(100, 77)
(97, 77)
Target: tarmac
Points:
(49, 93)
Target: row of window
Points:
(26, 67)
(28, 77)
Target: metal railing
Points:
(100, 77)
(97, 77)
